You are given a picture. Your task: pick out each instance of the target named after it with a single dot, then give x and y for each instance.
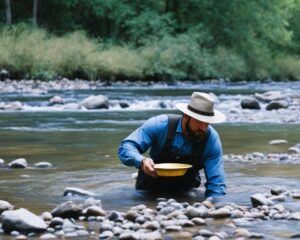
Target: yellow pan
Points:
(171, 169)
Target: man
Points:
(179, 139)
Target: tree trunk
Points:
(34, 11)
(8, 12)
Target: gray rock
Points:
(294, 216)
(256, 235)
(48, 236)
(71, 106)
(66, 210)
(92, 202)
(294, 150)
(275, 105)
(106, 235)
(241, 232)
(132, 215)
(205, 233)
(250, 103)
(259, 200)
(43, 165)
(198, 238)
(18, 163)
(71, 191)
(56, 100)
(21, 237)
(153, 235)
(94, 211)
(115, 216)
(129, 236)
(82, 233)
(13, 106)
(221, 213)
(71, 235)
(46, 216)
(241, 222)
(152, 225)
(192, 212)
(277, 191)
(295, 235)
(173, 228)
(1, 161)
(22, 220)
(278, 141)
(198, 221)
(95, 102)
(5, 206)
(57, 221)
(123, 104)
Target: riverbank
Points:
(261, 102)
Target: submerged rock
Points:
(95, 102)
(259, 200)
(18, 163)
(71, 191)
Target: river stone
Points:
(198, 238)
(18, 163)
(106, 226)
(5, 206)
(20, 237)
(174, 228)
(221, 213)
(115, 216)
(123, 104)
(295, 235)
(71, 191)
(250, 103)
(48, 236)
(153, 235)
(106, 235)
(71, 106)
(186, 223)
(139, 207)
(71, 235)
(294, 150)
(56, 100)
(129, 236)
(95, 102)
(215, 238)
(1, 161)
(242, 222)
(22, 220)
(91, 202)
(270, 96)
(82, 233)
(66, 210)
(278, 141)
(241, 232)
(152, 225)
(294, 216)
(192, 212)
(205, 233)
(94, 211)
(256, 235)
(275, 105)
(14, 106)
(46, 216)
(198, 221)
(259, 200)
(43, 165)
(278, 190)
(131, 215)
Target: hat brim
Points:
(217, 118)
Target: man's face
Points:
(196, 129)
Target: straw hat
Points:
(201, 107)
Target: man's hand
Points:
(148, 167)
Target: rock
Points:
(270, 96)
(131, 215)
(5, 206)
(192, 212)
(295, 235)
(70, 191)
(173, 228)
(250, 103)
(241, 232)
(4, 74)
(18, 163)
(129, 236)
(275, 105)
(115, 216)
(294, 150)
(56, 100)
(14, 106)
(66, 210)
(241, 222)
(91, 202)
(294, 216)
(95, 102)
(57, 221)
(123, 104)
(205, 233)
(277, 191)
(106, 235)
(43, 165)
(152, 225)
(94, 211)
(48, 236)
(22, 220)
(71, 106)
(259, 199)
(198, 221)
(1, 161)
(46, 216)
(278, 141)
(221, 213)
(21, 237)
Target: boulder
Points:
(22, 220)
(95, 102)
(5, 206)
(18, 163)
(56, 100)
(259, 200)
(66, 210)
(250, 103)
(274, 105)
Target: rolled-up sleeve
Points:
(213, 167)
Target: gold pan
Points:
(171, 169)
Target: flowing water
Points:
(83, 145)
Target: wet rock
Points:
(250, 103)
(115, 216)
(66, 210)
(71, 191)
(92, 202)
(152, 225)
(130, 236)
(277, 191)
(205, 233)
(48, 236)
(278, 142)
(71, 235)
(1, 161)
(56, 100)
(46, 216)
(275, 105)
(221, 213)
(173, 228)
(192, 212)
(140, 207)
(71, 106)
(259, 200)
(106, 235)
(186, 223)
(57, 221)
(95, 102)
(294, 150)
(132, 215)
(21, 237)
(155, 235)
(295, 235)
(241, 232)
(270, 96)
(295, 194)
(18, 163)
(215, 238)
(22, 220)
(198, 238)
(106, 226)
(82, 233)
(43, 165)
(256, 235)
(94, 211)
(294, 216)
(4, 205)
(166, 210)
(241, 222)
(236, 213)
(123, 104)
(198, 221)
(13, 106)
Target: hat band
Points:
(200, 112)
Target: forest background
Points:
(150, 40)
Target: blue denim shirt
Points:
(152, 134)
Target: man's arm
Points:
(213, 167)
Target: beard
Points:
(195, 136)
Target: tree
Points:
(8, 12)
(34, 11)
